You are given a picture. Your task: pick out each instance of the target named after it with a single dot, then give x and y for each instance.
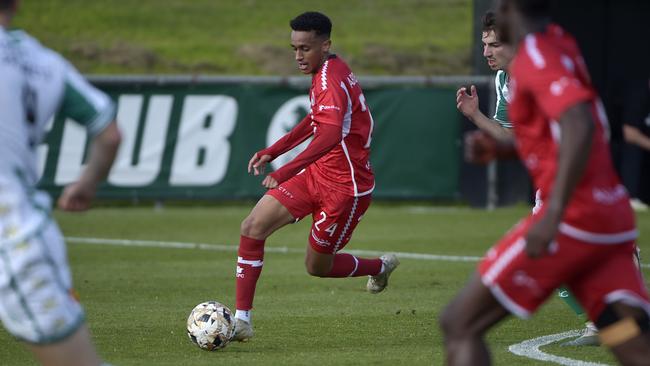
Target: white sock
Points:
(383, 268)
(244, 315)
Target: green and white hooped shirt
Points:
(38, 83)
(503, 98)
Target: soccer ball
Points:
(211, 325)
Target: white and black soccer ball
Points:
(211, 325)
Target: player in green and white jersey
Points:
(499, 128)
(498, 57)
(37, 301)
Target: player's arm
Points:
(293, 138)
(95, 110)
(633, 135)
(467, 104)
(103, 148)
(326, 137)
(577, 129)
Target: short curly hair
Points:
(489, 21)
(312, 21)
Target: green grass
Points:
(137, 299)
(250, 36)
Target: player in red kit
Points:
(584, 234)
(331, 179)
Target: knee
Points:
(316, 270)
(252, 227)
(453, 324)
(446, 321)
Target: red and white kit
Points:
(592, 251)
(337, 181)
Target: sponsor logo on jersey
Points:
(285, 192)
(326, 107)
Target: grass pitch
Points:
(377, 37)
(138, 298)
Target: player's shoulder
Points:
(32, 49)
(333, 71)
(547, 49)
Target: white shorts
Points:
(36, 300)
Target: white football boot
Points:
(378, 283)
(589, 337)
(243, 331)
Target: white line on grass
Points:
(530, 349)
(268, 249)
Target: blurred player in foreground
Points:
(331, 179)
(497, 134)
(37, 302)
(584, 234)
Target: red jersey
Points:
(341, 124)
(548, 75)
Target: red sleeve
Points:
(331, 105)
(555, 86)
(325, 138)
(293, 138)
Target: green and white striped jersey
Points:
(503, 98)
(36, 84)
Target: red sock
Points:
(249, 266)
(347, 265)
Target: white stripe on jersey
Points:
(347, 156)
(323, 76)
(347, 118)
(503, 261)
(598, 238)
(533, 52)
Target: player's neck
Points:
(326, 56)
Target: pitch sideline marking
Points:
(269, 249)
(530, 349)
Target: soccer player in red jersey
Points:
(331, 179)
(584, 234)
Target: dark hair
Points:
(7, 4)
(533, 8)
(489, 21)
(312, 21)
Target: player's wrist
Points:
(266, 151)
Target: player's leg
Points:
(626, 331)
(509, 282)
(266, 217)
(466, 319)
(334, 221)
(37, 305)
(279, 207)
(619, 305)
(589, 336)
(75, 350)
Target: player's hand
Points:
(269, 182)
(541, 235)
(77, 197)
(257, 164)
(479, 147)
(467, 103)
